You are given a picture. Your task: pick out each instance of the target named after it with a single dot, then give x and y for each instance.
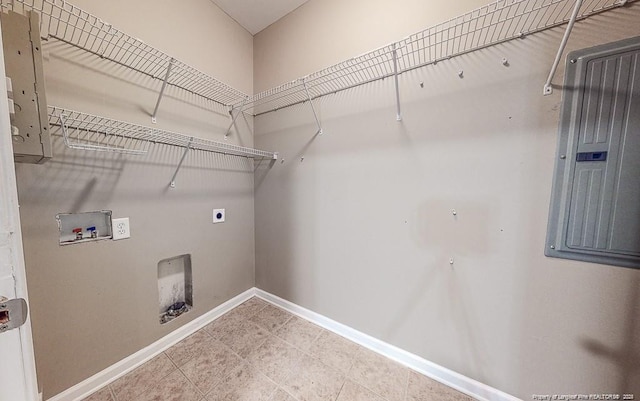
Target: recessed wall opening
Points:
(175, 287)
(78, 228)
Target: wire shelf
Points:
(89, 132)
(494, 23)
(70, 24)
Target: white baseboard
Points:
(113, 372)
(452, 379)
(441, 374)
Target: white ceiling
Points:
(255, 15)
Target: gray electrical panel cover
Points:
(595, 205)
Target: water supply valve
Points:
(92, 231)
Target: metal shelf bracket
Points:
(547, 90)
(233, 118)
(395, 79)
(306, 89)
(172, 184)
(164, 86)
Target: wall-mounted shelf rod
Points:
(547, 89)
(313, 109)
(90, 132)
(172, 183)
(234, 117)
(164, 86)
(395, 79)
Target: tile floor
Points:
(259, 352)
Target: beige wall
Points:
(362, 231)
(321, 33)
(94, 304)
(194, 31)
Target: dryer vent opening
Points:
(175, 287)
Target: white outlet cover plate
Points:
(218, 215)
(121, 229)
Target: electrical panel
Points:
(23, 64)
(595, 205)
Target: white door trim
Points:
(19, 358)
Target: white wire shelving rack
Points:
(90, 132)
(497, 22)
(70, 24)
(492, 24)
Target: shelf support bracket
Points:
(306, 89)
(395, 77)
(172, 184)
(547, 90)
(65, 133)
(233, 118)
(164, 85)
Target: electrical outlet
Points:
(120, 228)
(218, 215)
